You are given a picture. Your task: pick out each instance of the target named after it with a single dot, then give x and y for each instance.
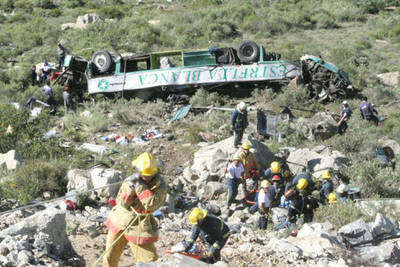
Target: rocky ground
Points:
(53, 236)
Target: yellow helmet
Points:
(326, 174)
(197, 214)
(275, 167)
(302, 184)
(265, 184)
(246, 145)
(146, 164)
(332, 198)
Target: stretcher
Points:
(195, 252)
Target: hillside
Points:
(361, 37)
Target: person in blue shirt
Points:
(344, 117)
(239, 122)
(367, 111)
(301, 183)
(327, 186)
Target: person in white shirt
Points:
(265, 198)
(234, 173)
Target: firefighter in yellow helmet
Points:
(139, 196)
(332, 198)
(212, 229)
(301, 183)
(327, 186)
(250, 165)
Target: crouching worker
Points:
(131, 220)
(212, 229)
(300, 205)
(265, 198)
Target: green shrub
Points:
(111, 12)
(203, 98)
(34, 178)
(339, 214)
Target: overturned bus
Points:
(151, 74)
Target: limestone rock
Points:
(290, 251)
(321, 126)
(388, 252)
(356, 232)
(389, 78)
(79, 180)
(83, 21)
(214, 158)
(9, 160)
(316, 162)
(393, 145)
(213, 189)
(382, 225)
(102, 177)
(278, 213)
(67, 26)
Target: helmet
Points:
(146, 164)
(197, 214)
(236, 157)
(265, 184)
(289, 193)
(302, 184)
(326, 175)
(275, 167)
(241, 106)
(332, 198)
(342, 188)
(246, 145)
(345, 103)
(276, 178)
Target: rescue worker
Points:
(131, 220)
(300, 205)
(212, 229)
(342, 192)
(33, 75)
(332, 198)
(46, 71)
(274, 169)
(66, 98)
(239, 122)
(251, 166)
(60, 55)
(344, 117)
(279, 187)
(266, 196)
(49, 96)
(234, 173)
(302, 183)
(367, 111)
(327, 186)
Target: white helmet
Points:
(342, 188)
(241, 106)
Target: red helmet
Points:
(276, 178)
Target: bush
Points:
(203, 98)
(34, 178)
(340, 213)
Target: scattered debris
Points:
(94, 148)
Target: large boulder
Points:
(316, 160)
(357, 232)
(9, 160)
(382, 225)
(213, 189)
(214, 158)
(389, 78)
(101, 177)
(321, 126)
(51, 222)
(83, 21)
(388, 251)
(79, 180)
(67, 26)
(280, 246)
(393, 145)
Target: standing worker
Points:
(234, 174)
(344, 117)
(367, 111)
(266, 196)
(49, 95)
(60, 55)
(66, 98)
(239, 122)
(131, 220)
(33, 75)
(250, 164)
(212, 229)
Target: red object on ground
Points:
(193, 255)
(112, 202)
(246, 198)
(70, 205)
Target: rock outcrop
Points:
(9, 160)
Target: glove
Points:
(188, 246)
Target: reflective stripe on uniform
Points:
(145, 194)
(127, 197)
(114, 229)
(141, 240)
(215, 245)
(226, 235)
(191, 240)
